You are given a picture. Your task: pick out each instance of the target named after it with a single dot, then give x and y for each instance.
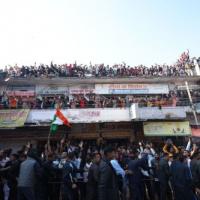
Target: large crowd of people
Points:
(84, 71)
(178, 98)
(101, 170)
(185, 66)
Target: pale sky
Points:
(100, 31)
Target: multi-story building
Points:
(123, 108)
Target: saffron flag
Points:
(59, 119)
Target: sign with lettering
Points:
(45, 90)
(81, 89)
(13, 118)
(167, 128)
(89, 115)
(131, 89)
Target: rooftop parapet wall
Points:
(72, 81)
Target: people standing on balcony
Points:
(13, 102)
(174, 98)
(82, 103)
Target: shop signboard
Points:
(131, 89)
(20, 93)
(51, 90)
(167, 128)
(27, 91)
(82, 89)
(13, 118)
(89, 115)
(147, 113)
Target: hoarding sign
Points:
(21, 93)
(81, 89)
(45, 90)
(167, 129)
(13, 118)
(89, 115)
(147, 113)
(20, 90)
(131, 89)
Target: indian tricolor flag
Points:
(59, 119)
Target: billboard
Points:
(82, 89)
(51, 90)
(13, 118)
(131, 89)
(167, 128)
(89, 115)
(75, 89)
(169, 113)
(28, 90)
(21, 93)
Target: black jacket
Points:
(195, 169)
(135, 166)
(181, 175)
(181, 181)
(108, 184)
(163, 172)
(92, 184)
(68, 174)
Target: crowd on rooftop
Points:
(72, 170)
(185, 66)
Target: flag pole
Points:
(48, 141)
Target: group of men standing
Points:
(108, 174)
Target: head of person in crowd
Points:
(63, 159)
(181, 158)
(96, 158)
(50, 157)
(7, 152)
(157, 157)
(14, 157)
(175, 157)
(22, 157)
(33, 153)
(109, 152)
(170, 147)
(186, 153)
(71, 156)
(181, 149)
(147, 149)
(133, 154)
(166, 156)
